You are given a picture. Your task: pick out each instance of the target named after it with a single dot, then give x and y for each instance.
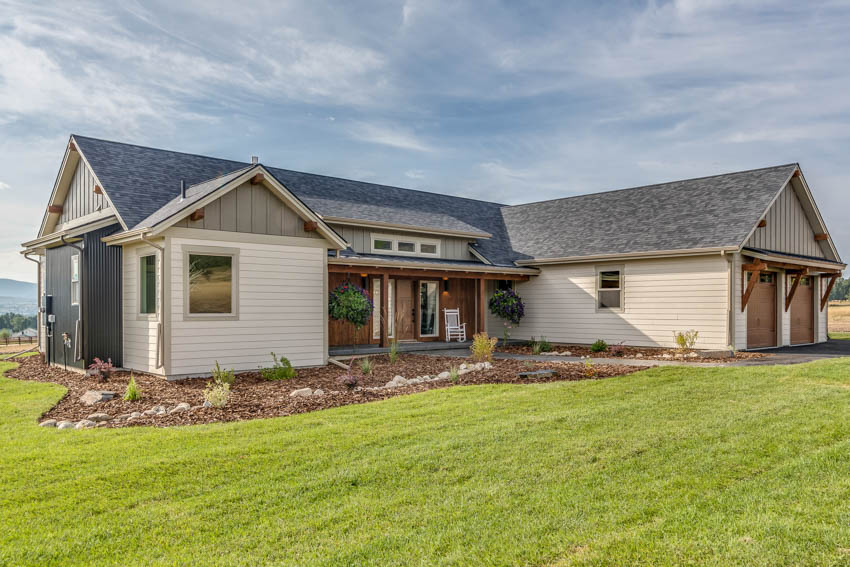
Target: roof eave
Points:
(406, 227)
(376, 262)
(627, 256)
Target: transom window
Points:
(609, 288)
(147, 284)
(211, 283)
(404, 245)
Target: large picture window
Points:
(211, 283)
(609, 288)
(147, 284)
(75, 279)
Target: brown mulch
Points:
(252, 397)
(630, 352)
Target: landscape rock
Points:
(135, 415)
(717, 354)
(443, 375)
(92, 397)
(463, 366)
(148, 412)
(123, 416)
(65, 425)
(182, 406)
(397, 382)
(207, 404)
(318, 392)
(99, 417)
(84, 424)
(301, 392)
(665, 355)
(692, 355)
(639, 355)
(48, 423)
(544, 373)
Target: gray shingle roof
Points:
(709, 212)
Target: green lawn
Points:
(746, 466)
(839, 335)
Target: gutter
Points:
(160, 315)
(78, 327)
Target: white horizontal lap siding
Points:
(661, 296)
(139, 332)
(281, 310)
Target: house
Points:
(27, 333)
(166, 262)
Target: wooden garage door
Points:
(803, 313)
(761, 313)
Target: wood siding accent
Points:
(661, 296)
(450, 248)
(788, 228)
(139, 330)
(281, 295)
(81, 199)
(253, 209)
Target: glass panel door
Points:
(428, 309)
(376, 312)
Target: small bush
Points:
(393, 354)
(535, 348)
(590, 369)
(223, 376)
(599, 346)
(217, 393)
(686, 340)
(102, 369)
(454, 374)
(366, 365)
(617, 349)
(281, 369)
(540, 345)
(482, 347)
(349, 380)
(132, 394)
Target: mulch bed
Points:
(630, 352)
(252, 397)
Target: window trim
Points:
(75, 259)
(234, 290)
(141, 256)
(395, 239)
(621, 268)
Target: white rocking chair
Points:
(454, 328)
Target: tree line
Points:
(841, 290)
(15, 322)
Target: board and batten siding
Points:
(139, 330)
(282, 308)
(661, 296)
(81, 199)
(788, 228)
(250, 209)
(451, 248)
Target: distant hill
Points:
(15, 288)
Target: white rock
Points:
(48, 423)
(135, 415)
(99, 417)
(148, 412)
(692, 355)
(92, 397)
(665, 355)
(443, 375)
(123, 416)
(463, 366)
(639, 355)
(488, 365)
(462, 371)
(398, 378)
(301, 392)
(567, 353)
(85, 423)
(207, 404)
(65, 425)
(179, 408)
(318, 392)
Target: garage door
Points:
(803, 313)
(761, 312)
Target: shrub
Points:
(599, 346)
(366, 365)
(217, 393)
(393, 354)
(540, 345)
(454, 374)
(535, 348)
(351, 303)
(506, 304)
(223, 376)
(483, 347)
(101, 369)
(5, 334)
(589, 369)
(617, 349)
(349, 380)
(686, 340)
(132, 394)
(281, 369)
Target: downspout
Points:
(78, 327)
(730, 306)
(40, 315)
(160, 326)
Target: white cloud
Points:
(386, 135)
(4, 186)
(414, 174)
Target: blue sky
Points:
(503, 101)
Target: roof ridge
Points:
(651, 185)
(247, 167)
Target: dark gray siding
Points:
(103, 297)
(58, 284)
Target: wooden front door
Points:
(761, 313)
(405, 310)
(803, 313)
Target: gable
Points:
(81, 199)
(788, 228)
(252, 209)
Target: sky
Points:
(503, 101)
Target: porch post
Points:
(482, 305)
(385, 293)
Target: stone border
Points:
(102, 419)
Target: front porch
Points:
(409, 304)
(407, 346)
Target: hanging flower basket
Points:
(351, 303)
(506, 304)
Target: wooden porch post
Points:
(385, 303)
(482, 305)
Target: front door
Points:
(405, 311)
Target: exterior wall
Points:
(661, 296)
(282, 306)
(102, 304)
(81, 199)
(451, 248)
(139, 330)
(788, 228)
(58, 284)
(251, 209)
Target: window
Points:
(376, 313)
(428, 309)
(380, 244)
(407, 247)
(504, 284)
(211, 283)
(75, 279)
(147, 284)
(609, 289)
(404, 245)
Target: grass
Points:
(839, 317)
(710, 466)
(839, 335)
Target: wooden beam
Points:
(481, 312)
(757, 266)
(197, 215)
(385, 311)
(257, 179)
(797, 173)
(55, 209)
(825, 299)
(762, 223)
(311, 226)
(796, 283)
(98, 190)
(72, 146)
(751, 285)
(415, 273)
(821, 236)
